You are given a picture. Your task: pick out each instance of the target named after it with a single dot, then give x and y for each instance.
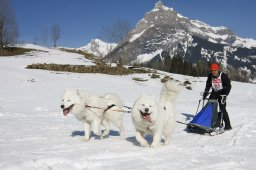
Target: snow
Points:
(200, 24)
(146, 57)
(181, 16)
(209, 32)
(213, 35)
(48, 55)
(98, 47)
(135, 36)
(36, 135)
(245, 42)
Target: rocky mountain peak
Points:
(158, 16)
(164, 33)
(159, 5)
(160, 13)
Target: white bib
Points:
(217, 83)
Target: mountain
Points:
(164, 33)
(98, 47)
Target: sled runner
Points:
(208, 120)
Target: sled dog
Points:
(94, 111)
(152, 116)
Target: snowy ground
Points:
(36, 135)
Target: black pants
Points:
(217, 96)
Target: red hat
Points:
(215, 67)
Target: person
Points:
(221, 86)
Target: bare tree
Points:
(55, 34)
(116, 32)
(8, 27)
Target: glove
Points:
(223, 99)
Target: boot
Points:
(227, 128)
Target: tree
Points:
(8, 27)
(117, 32)
(55, 34)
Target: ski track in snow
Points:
(36, 135)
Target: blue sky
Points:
(82, 20)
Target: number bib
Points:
(217, 83)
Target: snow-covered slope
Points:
(50, 55)
(98, 47)
(36, 135)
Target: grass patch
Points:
(165, 79)
(100, 67)
(154, 76)
(139, 79)
(104, 69)
(94, 59)
(85, 54)
(11, 51)
(185, 83)
(189, 87)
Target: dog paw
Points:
(97, 133)
(104, 136)
(154, 145)
(144, 144)
(84, 139)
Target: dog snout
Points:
(146, 110)
(62, 106)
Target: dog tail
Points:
(169, 91)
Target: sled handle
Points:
(202, 104)
(202, 93)
(198, 105)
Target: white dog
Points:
(114, 114)
(155, 117)
(94, 111)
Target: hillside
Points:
(36, 135)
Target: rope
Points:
(109, 107)
(128, 107)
